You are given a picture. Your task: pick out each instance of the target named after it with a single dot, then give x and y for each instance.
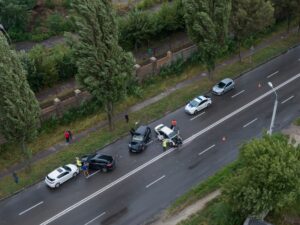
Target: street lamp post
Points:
(274, 109)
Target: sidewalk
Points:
(62, 145)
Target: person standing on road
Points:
(165, 144)
(85, 169)
(67, 137)
(173, 123)
(78, 163)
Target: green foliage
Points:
(146, 4)
(139, 27)
(207, 25)
(268, 177)
(104, 68)
(19, 109)
(55, 23)
(249, 17)
(13, 14)
(45, 66)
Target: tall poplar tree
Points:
(248, 17)
(19, 109)
(207, 24)
(104, 68)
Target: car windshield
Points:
(137, 138)
(194, 103)
(67, 168)
(172, 135)
(221, 84)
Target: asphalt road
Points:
(144, 184)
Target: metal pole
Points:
(274, 113)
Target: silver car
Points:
(223, 86)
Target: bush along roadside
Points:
(100, 138)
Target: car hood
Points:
(217, 89)
(188, 107)
(135, 145)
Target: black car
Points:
(140, 138)
(99, 162)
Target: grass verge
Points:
(211, 184)
(100, 138)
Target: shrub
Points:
(55, 23)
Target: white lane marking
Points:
(197, 116)
(200, 153)
(70, 208)
(25, 211)
(289, 98)
(149, 142)
(247, 124)
(240, 109)
(162, 177)
(271, 75)
(97, 217)
(92, 174)
(233, 96)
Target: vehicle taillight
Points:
(109, 165)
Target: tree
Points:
(249, 16)
(207, 25)
(19, 109)
(268, 177)
(285, 10)
(103, 67)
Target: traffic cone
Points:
(259, 85)
(223, 138)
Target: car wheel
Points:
(104, 170)
(57, 185)
(75, 174)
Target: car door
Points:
(63, 177)
(202, 104)
(228, 86)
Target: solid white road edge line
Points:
(247, 124)
(197, 116)
(25, 211)
(92, 174)
(200, 153)
(289, 98)
(271, 75)
(97, 217)
(89, 197)
(233, 96)
(162, 177)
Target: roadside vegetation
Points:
(46, 67)
(243, 192)
(52, 133)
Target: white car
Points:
(163, 132)
(197, 104)
(61, 175)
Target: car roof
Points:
(226, 80)
(56, 172)
(166, 130)
(141, 130)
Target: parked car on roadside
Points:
(99, 161)
(197, 104)
(223, 86)
(139, 139)
(61, 175)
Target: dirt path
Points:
(188, 211)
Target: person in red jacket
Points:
(67, 136)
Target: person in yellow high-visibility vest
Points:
(165, 144)
(78, 163)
